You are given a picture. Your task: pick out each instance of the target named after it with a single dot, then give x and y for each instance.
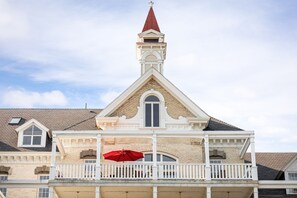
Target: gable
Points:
(130, 107)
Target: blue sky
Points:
(236, 59)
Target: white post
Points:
(207, 163)
(253, 158)
(154, 140)
(98, 158)
(155, 192)
(208, 192)
(53, 158)
(51, 192)
(97, 192)
(256, 194)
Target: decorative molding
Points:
(215, 154)
(42, 170)
(88, 154)
(32, 158)
(5, 170)
(104, 122)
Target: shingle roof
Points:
(54, 119)
(218, 125)
(271, 165)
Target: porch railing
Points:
(138, 170)
(231, 171)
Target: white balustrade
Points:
(140, 170)
(231, 171)
(181, 171)
(126, 170)
(76, 170)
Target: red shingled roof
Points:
(151, 22)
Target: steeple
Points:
(151, 48)
(151, 21)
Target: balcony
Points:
(144, 171)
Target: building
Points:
(187, 153)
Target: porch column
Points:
(98, 159)
(51, 192)
(155, 192)
(207, 163)
(208, 192)
(154, 140)
(253, 158)
(256, 194)
(97, 192)
(53, 158)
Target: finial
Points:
(151, 3)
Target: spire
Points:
(151, 21)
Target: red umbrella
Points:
(123, 155)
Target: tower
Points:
(151, 48)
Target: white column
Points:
(208, 192)
(97, 192)
(53, 158)
(253, 158)
(98, 158)
(51, 192)
(154, 144)
(256, 194)
(207, 163)
(155, 192)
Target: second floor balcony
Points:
(145, 171)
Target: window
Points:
(32, 136)
(43, 192)
(151, 40)
(3, 190)
(15, 120)
(152, 111)
(148, 157)
(292, 177)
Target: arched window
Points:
(152, 111)
(148, 157)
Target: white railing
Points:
(126, 171)
(139, 170)
(76, 170)
(181, 171)
(231, 171)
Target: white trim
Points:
(175, 92)
(30, 123)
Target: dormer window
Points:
(32, 136)
(152, 111)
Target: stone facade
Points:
(130, 107)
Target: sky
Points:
(237, 60)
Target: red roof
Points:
(151, 22)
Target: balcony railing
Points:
(144, 171)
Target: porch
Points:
(144, 171)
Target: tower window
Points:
(151, 40)
(152, 111)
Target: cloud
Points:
(108, 97)
(23, 98)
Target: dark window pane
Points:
(27, 140)
(168, 159)
(148, 157)
(37, 140)
(148, 115)
(158, 157)
(37, 131)
(156, 115)
(151, 40)
(152, 99)
(28, 131)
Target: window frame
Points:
(162, 113)
(43, 188)
(161, 158)
(152, 112)
(26, 126)
(292, 191)
(3, 190)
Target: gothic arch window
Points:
(152, 111)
